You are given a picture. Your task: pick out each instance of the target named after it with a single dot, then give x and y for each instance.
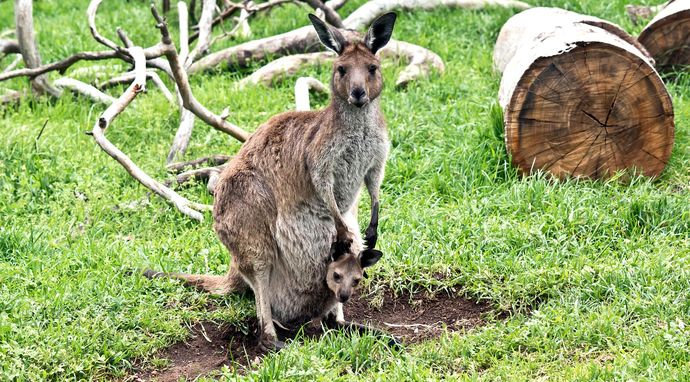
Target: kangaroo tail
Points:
(231, 282)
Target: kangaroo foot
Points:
(270, 344)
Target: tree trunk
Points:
(667, 36)
(579, 98)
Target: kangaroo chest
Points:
(363, 147)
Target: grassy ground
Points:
(594, 274)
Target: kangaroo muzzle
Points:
(358, 97)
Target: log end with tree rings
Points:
(667, 36)
(579, 101)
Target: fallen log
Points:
(579, 98)
(667, 36)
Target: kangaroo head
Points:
(356, 77)
(346, 270)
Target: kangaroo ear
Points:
(369, 257)
(330, 37)
(380, 32)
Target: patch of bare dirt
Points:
(412, 318)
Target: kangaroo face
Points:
(346, 270)
(356, 75)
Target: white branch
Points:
(420, 60)
(13, 64)
(84, 89)
(205, 25)
(367, 13)
(285, 66)
(184, 30)
(302, 87)
(188, 208)
(91, 15)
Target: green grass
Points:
(594, 275)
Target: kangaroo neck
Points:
(355, 118)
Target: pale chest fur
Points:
(364, 145)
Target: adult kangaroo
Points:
(285, 206)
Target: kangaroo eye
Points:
(341, 70)
(372, 69)
(337, 277)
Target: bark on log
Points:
(667, 36)
(579, 99)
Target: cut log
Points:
(579, 98)
(667, 36)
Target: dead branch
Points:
(335, 4)
(213, 160)
(302, 87)
(13, 64)
(26, 39)
(60, 66)
(369, 11)
(9, 46)
(205, 25)
(185, 206)
(184, 131)
(420, 60)
(284, 66)
(84, 89)
(199, 175)
(191, 103)
(248, 7)
(91, 15)
(330, 14)
(129, 77)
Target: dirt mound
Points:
(412, 318)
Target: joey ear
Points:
(330, 37)
(369, 257)
(380, 32)
(335, 254)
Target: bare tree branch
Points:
(205, 25)
(420, 60)
(284, 66)
(26, 39)
(369, 11)
(13, 64)
(84, 89)
(335, 4)
(188, 208)
(91, 15)
(331, 15)
(61, 66)
(213, 160)
(302, 87)
(182, 82)
(9, 46)
(129, 77)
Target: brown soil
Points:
(412, 318)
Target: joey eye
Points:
(337, 277)
(372, 69)
(341, 70)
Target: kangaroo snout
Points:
(358, 97)
(343, 296)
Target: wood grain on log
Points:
(667, 36)
(579, 100)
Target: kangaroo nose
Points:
(358, 93)
(343, 296)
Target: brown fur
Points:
(287, 201)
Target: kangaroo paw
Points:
(269, 344)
